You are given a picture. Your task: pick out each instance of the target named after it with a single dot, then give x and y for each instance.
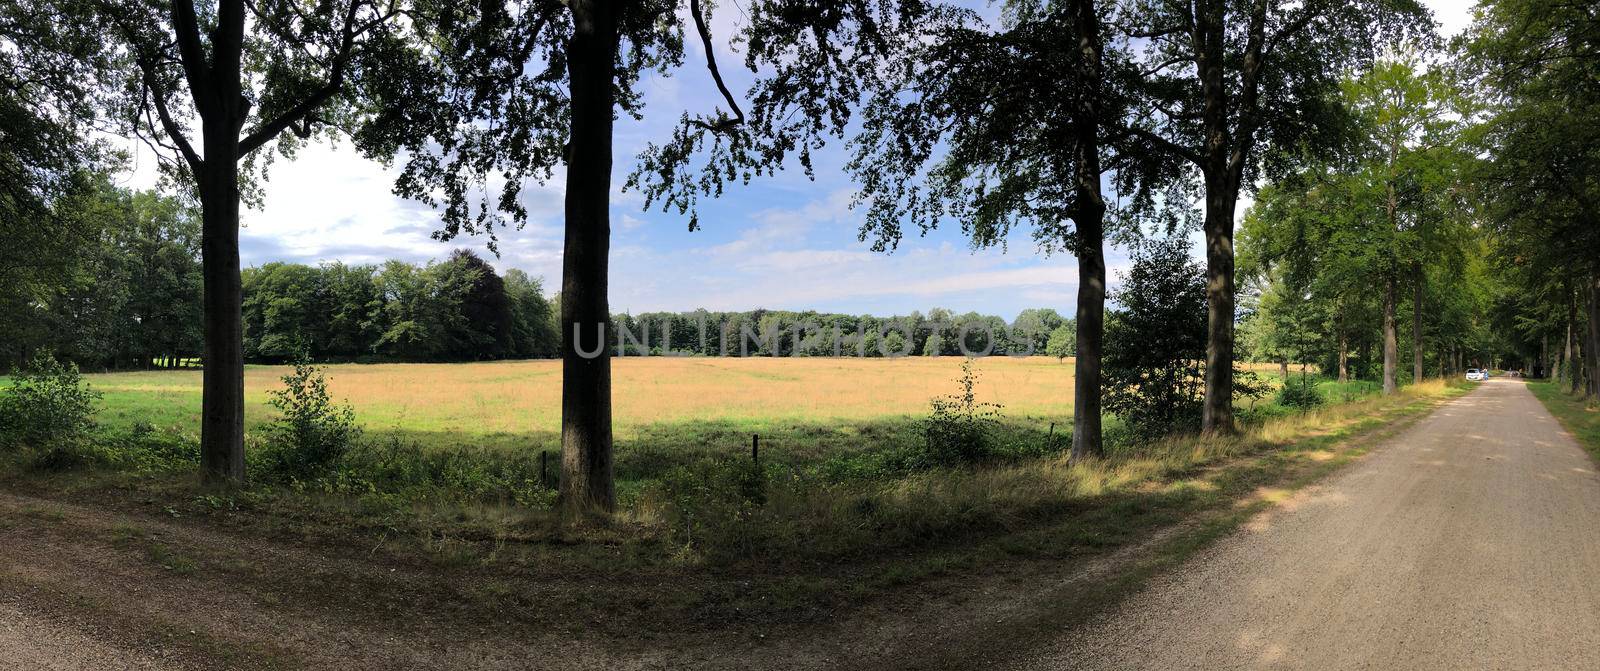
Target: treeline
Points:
(122, 289)
(458, 309)
(939, 332)
(119, 286)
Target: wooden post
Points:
(1050, 438)
(755, 449)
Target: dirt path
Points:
(1471, 541)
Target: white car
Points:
(1475, 375)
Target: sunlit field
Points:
(805, 404)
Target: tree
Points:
(487, 309)
(156, 67)
(1063, 342)
(1536, 67)
(1156, 341)
(1228, 83)
(533, 330)
(1033, 328)
(1406, 131)
(996, 129)
(531, 86)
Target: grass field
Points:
(804, 408)
(475, 400)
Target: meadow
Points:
(665, 409)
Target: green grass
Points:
(1580, 418)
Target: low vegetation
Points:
(1579, 414)
(965, 481)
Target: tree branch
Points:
(723, 123)
(1174, 148)
(191, 53)
(270, 129)
(168, 124)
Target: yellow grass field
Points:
(476, 400)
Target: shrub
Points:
(312, 433)
(713, 505)
(48, 405)
(956, 431)
(1154, 346)
(1300, 393)
(406, 469)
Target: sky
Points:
(784, 242)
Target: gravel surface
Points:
(29, 642)
(1471, 541)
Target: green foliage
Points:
(312, 433)
(454, 310)
(48, 405)
(1300, 392)
(122, 287)
(406, 471)
(957, 428)
(1063, 341)
(714, 504)
(1155, 343)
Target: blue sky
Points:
(780, 243)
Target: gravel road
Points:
(1470, 541)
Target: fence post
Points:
(1050, 440)
(755, 449)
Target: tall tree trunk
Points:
(1223, 158)
(1086, 429)
(1565, 366)
(1592, 350)
(1283, 368)
(223, 110)
(1344, 357)
(222, 398)
(1416, 323)
(1544, 356)
(1391, 348)
(1090, 226)
(587, 484)
(1217, 416)
(1574, 348)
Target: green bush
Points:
(397, 467)
(48, 406)
(714, 505)
(1300, 393)
(312, 433)
(957, 429)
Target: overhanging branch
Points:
(723, 123)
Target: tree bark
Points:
(1217, 415)
(1592, 351)
(1416, 323)
(1086, 412)
(1344, 357)
(587, 484)
(1574, 351)
(1090, 226)
(222, 398)
(217, 92)
(1564, 368)
(1391, 348)
(1222, 163)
